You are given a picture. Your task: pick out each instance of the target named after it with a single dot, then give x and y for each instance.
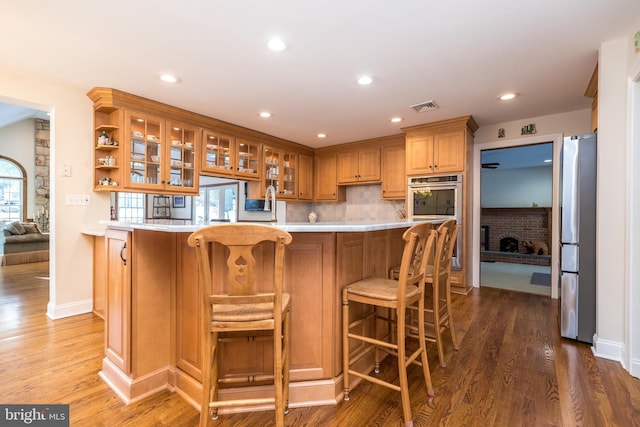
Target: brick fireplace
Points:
(504, 229)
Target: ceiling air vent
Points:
(425, 106)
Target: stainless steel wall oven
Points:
(437, 198)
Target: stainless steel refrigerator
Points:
(578, 238)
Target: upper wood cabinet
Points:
(218, 153)
(281, 171)
(428, 154)
(142, 145)
(325, 178)
(394, 182)
(160, 155)
(439, 147)
(305, 177)
(359, 166)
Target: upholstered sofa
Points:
(23, 242)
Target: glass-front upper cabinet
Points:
(280, 170)
(162, 155)
(183, 156)
(248, 158)
(145, 137)
(219, 153)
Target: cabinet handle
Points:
(124, 246)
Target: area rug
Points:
(542, 279)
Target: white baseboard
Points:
(634, 369)
(68, 310)
(606, 349)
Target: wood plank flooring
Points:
(513, 369)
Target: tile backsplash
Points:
(363, 203)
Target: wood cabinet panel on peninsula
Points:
(152, 327)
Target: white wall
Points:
(71, 143)
(571, 123)
(612, 184)
(632, 297)
(516, 188)
(17, 141)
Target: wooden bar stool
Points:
(438, 312)
(438, 298)
(396, 296)
(248, 303)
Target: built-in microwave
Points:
(437, 198)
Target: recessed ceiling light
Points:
(265, 114)
(322, 135)
(168, 78)
(395, 119)
(507, 96)
(365, 80)
(276, 44)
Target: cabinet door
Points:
(325, 182)
(348, 167)
(218, 153)
(369, 165)
(117, 334)
(248, 159)
(419, 154)
(449, 152)
(288, 183)
(305, 177)
(145, 153)
(183, 153)
(281, 171)
(394, 183)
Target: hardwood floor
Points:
(513, 369)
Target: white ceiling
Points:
(460, 54)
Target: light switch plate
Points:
(77, 199)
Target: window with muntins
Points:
(12, 189)
(131, 207)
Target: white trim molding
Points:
(67, 310)
(606, 349)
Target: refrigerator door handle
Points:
(569, 257)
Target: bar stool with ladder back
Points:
(396, 296)
(438, 311)
(242, 303)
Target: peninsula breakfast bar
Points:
(152, 335)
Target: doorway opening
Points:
(515, 214)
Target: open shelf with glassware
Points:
(107, 157)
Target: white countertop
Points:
(300, 227)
